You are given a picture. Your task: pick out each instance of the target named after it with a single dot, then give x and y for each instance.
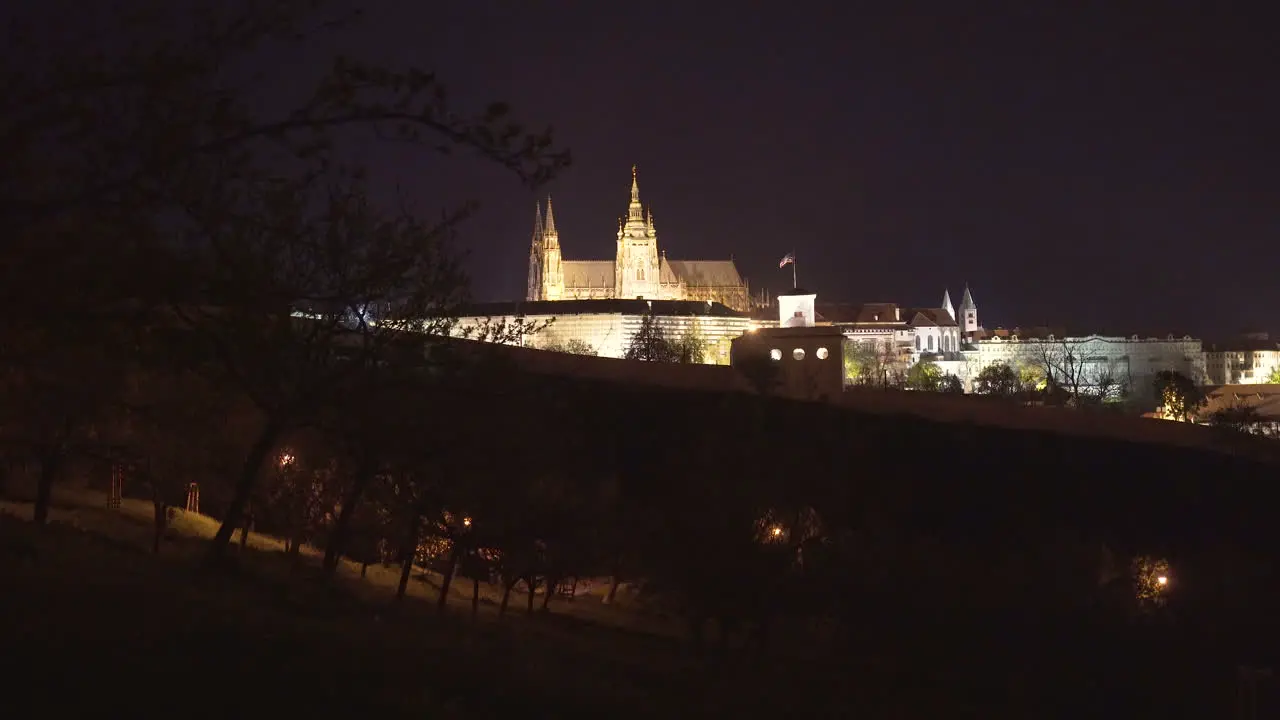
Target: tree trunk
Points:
(162, 521)
(506, 596)
(364, 569)
(613, 590)
(532, 583)
(475, 598)
(573, 589)
(407, 552)
(295, 542)
(244, 532)
(249, 473)
(447, 577)
(44, 488)
(342, 525)
(549, 587)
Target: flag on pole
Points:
(789, 259)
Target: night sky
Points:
(1078, 165)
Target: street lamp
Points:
(286, 459)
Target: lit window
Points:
(822, 353)
(798, 354)
(775, 354)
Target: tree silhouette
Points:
(998, 379)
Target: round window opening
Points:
(775, 354)
(798, 354)
(822, 353)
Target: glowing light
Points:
(798, 353)
(286, 459)
(1162, 580)
(822, 353)
(775, 354)
(775, 531)
(466, 522)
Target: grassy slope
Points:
(99, 624)
(90, 609)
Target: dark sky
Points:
(1077, 164)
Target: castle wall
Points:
(1134, 361)
(610, 334)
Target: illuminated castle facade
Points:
(638, 271)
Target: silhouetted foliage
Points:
(997, 379)
(1178, 395)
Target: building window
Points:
(775, 354)
(797, 354)
(822, 353)
(640, 273)
(917, 343)
(930, 343)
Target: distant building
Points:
(1093, 361)
(638, 271)
(1261, 401)
(1249, 360)
(798, 357)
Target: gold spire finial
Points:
(634, 212)
(549, 222)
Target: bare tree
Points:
(1067, 367)
(874, 362)
(238, 219)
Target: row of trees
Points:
(651, 343)
(883, 364)
(172, 240)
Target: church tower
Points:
(535, 256)
(552, 266)
(636, 270)
(946, 304)
(968, 312)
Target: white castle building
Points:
(1091, 362)
(639, 271)
(1250, 360)
(607, 327)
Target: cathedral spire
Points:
(537, 223)
(946, 304)
(549, 228)
(634, 212)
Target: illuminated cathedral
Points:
(638, 271)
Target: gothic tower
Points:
(535, 257)
(968, 312)
(636, 270)
(946, 304)
(552, 268)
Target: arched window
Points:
(640, 273)
(930, 343)
(917, 343)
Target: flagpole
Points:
(794, 284)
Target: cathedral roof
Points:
(588, 273)
(928, 316)
(601, 307)
(706, 273)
